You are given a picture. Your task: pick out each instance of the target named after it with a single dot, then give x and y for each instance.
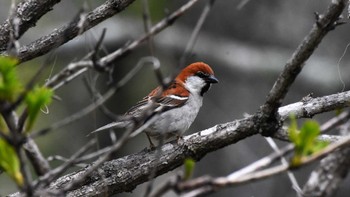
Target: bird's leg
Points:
(152, 146)
(180, 139)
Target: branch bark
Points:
(329, 174)
(72, 30)
(326, 178)
(27, 14)
(124, 174)
(324, 24)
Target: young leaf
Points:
(293, 130)
(10, 85)
(35, 100)
(189, 168)
(319, 145)
(305, 140)
(308, 134)
(9, 162)
(3, 126)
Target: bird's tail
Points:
(112, 125)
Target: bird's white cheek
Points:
(194, 84)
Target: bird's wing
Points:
(170, 102)
(174, 96)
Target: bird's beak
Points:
(212, 79)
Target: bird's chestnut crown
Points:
(199, 69)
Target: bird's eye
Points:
(201, 74)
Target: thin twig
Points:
(282, 134)
(284, 161)
(146, 15)
(63, 159)
(14, 22)
(326, 178)
(196, 146)
(54, 174)
(195, 32)
(98, 102)
(221, 182)
(154, 30)
(268, 111)
(124, 138)
(77, 68)
(39, 163)
(336, 121)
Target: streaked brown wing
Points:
(175, 96)
(138, 108)
(171, 102)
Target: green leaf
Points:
(308, 134)
(305, 140)
(3, 126)
(293, 130)
(35, 100)
(319, 145)
(189, 168)
(10, 85)
(9, 162)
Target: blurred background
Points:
(247, 43)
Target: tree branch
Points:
(76, 68)
(324, 24)
(126, 173)
(64, 34)
(27, 14)
(332, 170)
(329, 174)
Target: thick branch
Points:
(325, 180)
(70, 31)
(126, 173)
(75, 69)
(324, 24)
(332, 170)
(27, 14)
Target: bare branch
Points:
(332, 170)
(215, 183)
(329, 174)
(154, 30)
(27, 14)
(40, 164)
(127, 176)
(147, 22)
(75, 69)
(64, 34)
(294, 65)
(195, 32)
(293, 180)
(53, 174)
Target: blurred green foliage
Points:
(305, 139)
(10, 86)
(189, 168)
(10, 90)
(9, 162)
(35, 100)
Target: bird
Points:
(170, 111)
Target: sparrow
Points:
(172, 110)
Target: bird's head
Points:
(197, 78)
